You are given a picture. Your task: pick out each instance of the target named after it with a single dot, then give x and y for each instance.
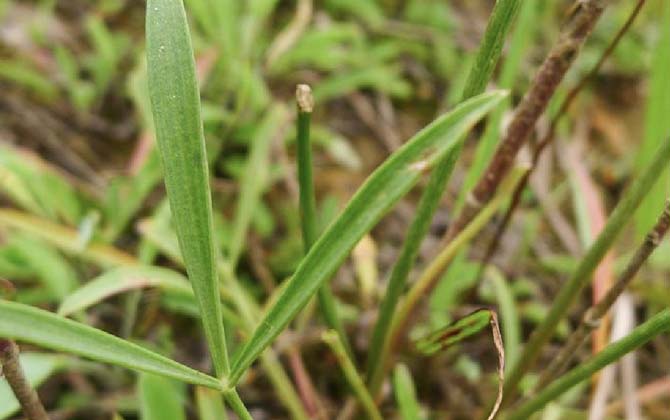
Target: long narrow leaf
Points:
(175, 105)
(392, 180)
(500, 21)
(120, 280)
(36, 326)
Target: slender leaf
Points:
(502, 16)
(175, 105)
(36, 326)
(38, 368)
(523, 35)
(120, 280)
(657, 123)
(405, 394)
(160, 398)
(393, 179)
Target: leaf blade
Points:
(119, 280)
(394, 178)
(36, 326)
(175, 104)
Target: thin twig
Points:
(551, 133)
(25, 394)
(593, 315)
(533, 104)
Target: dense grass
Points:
(170, 207)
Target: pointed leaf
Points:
(120, 280)
(392, 180)
(175, 103)
(36, 326)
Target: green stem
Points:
(582, 275)
(237, 405)
(502, 16)
(658, 324)
(327, 303)
(332, 339)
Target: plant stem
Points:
(582, 274)
(593, 315)
(549, 137)
(332, 339)
(556, 64)
(11, 369)
(502, 17)
(658, 324)
(237, 405)
(327, 303)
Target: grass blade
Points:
(36, 326)
(582, 274)
(502, 16)
(175, 103)
(393, 179)
(160, 398)
(523, 35)
(658, 324)
(405, 394)
(656, 124)
(120, 280)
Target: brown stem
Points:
(551, 132)
(594, 314)
(533, 104)
(25, 394)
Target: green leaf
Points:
(175, 102)
(120, 280)
(500, 21)
(35, 326)
(454, 333)
(405, 394)
(656, 122)
(392, 180)
(160, 398)
(38, 368)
